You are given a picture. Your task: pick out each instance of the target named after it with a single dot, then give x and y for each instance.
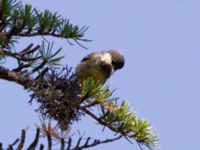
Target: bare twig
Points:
(35, 142)
(1, 146)
(22, 140)
(62, 144)
(140, 146)
(15, 142)
(41, 146)
(95, 142)
(18, 56)
(10, 147)
(69, 143)
(78, 143)
(26, 49)
(39, 67)
(29, 51)
(49, 141)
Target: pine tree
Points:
(55, 88)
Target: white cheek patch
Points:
(106, 57)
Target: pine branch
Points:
(118, 118)
(58, 93)
(24, 21)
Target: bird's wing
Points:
(88, 57)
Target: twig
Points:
(104, 116)
(49, 141)
(96, 142)
(21, 66)
(1, 146)
(41, 146)
(140, 146)
(39, 67)
(15, 142)
(22, 140)
(62, 143)
(26, 49)
(17, 56)
(98, 120)
(69, 143)
(35, 142)
(10, 147)
(78, 143)
(31, 50)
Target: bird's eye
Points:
(117, 64)
(113, 62)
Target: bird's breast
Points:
(98, 71)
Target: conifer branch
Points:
(59, 94)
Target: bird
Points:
(99, 65)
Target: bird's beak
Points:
(112, 71)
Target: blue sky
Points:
(161, 78)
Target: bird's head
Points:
(117, 59)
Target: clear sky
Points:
(161, 78)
